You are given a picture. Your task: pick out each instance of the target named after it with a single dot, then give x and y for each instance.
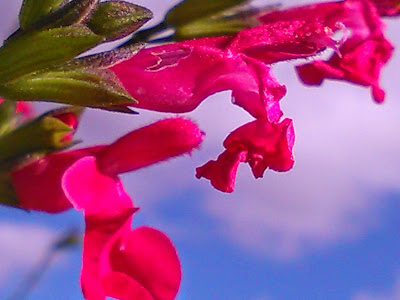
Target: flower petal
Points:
(222, 172)
(281, 40)
(148, 257)
(100, 232)
(178, 77)
(363, 51)
(362, 65)
(260, 143)
(38, 184)
(148, 145)
(93, 192)
(117, 261)
(127, 264)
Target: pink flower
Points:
(361, 56)
(178, 77)
(117, 261)
(38, 184)
(389, 8)
(260, 143)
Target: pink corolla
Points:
(38, 184)
(177, 77)
(364, 49)
(260, 143)
(117, 261)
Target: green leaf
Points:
(117, 19)
(36, 51)
(82, 87)
(190, 10)
(33, 10)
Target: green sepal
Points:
(189, 10)
(117, 19)
(39, 136)
(82, 87)
(7, 116)
(36, 51)
(103, 60)
(33, 10)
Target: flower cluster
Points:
(37, 172)
(117, 261)
(178, 77)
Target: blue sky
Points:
(328, 229)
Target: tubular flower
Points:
(387, 8)
(364, 49)
(117, 261)
(178, 77)
(260, 143)
(37, 184)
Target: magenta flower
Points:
(260, 144)
(178, 77)
(363, 52)
(38, 184)
(117, 261)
